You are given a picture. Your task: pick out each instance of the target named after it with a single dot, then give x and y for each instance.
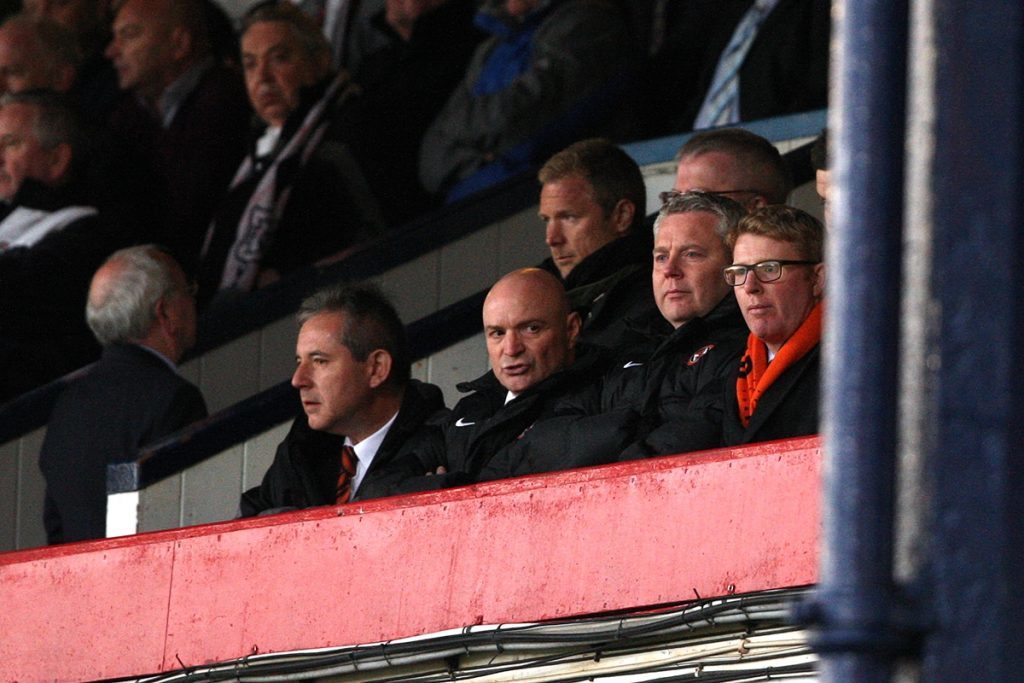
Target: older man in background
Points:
(299, 195)
(52, 239)
(185, 113)
(141, 309)
(736, 163)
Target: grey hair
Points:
(127, 309)
(302, 25)
(728, 211)
(371, 323)
(56, 123)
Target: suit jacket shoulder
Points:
(788, 408)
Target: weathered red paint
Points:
(572, 543)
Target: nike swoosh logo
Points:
(631, 364)
(461, 422)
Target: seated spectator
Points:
(593, 202)
(531, 341)
(697, 336)
(363, 412)
(774, 61)
(779, 280)
(36, 54)
(185, 113)
(52, 239)
(41, 54)
(94, 89)
(680, 41)
(299, 195)
(141, 309)
(821, 163)
(736, 163)
(407, 59)
(544, 58)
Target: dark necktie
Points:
(348, 471)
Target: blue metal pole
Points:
(971, 174)
(857, 637)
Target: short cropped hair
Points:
(785, 224)
(728, 211)
(610, 171)
(819, 151)
(128, 308)
(752, 151)
(302, 25)
(371, 323)
(56, 122)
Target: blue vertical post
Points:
(973, 184)
(857, 638)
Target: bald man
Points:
(734, 163)
(141, 309)
(184, 113)
(535, 362)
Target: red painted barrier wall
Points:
(572, 543)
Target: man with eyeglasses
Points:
(779, 280)
(736, 163)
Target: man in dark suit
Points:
(184, 112)
(362, 410)
(142, 310)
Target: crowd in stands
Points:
(252, 151)
(230, 157)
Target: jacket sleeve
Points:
(269, 494)
(695, 428)
(565, 442)
(411, 470)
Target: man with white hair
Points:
(142, 310)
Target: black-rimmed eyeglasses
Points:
(765, 271)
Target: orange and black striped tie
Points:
(348, 471)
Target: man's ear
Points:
(622, 216)
(60, 163)
(819, 280)
(574, 324)
(378, 367)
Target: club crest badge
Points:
(698, 354)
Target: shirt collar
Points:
(170, 363)
(367, 448)
(174, 95)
